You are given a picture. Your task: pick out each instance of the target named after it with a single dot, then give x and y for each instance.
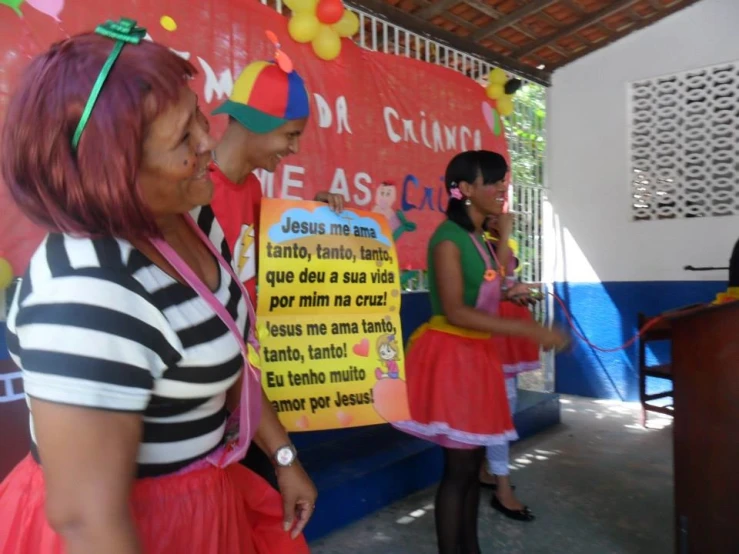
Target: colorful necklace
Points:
(490, 273)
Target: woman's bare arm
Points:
(89, 463)
(450, 284)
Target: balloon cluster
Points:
(323, 23)
(501, 89)
(52, 8)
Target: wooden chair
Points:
(659, 332)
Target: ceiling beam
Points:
(483, 8)
(510, 18)
(591, 18)
(674, 7)
(520, 27)
(493, 13)
(390, 13)
(461, 22)
(469, 26)
(435, 8)
(529, 32)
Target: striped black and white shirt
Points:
(96, 324)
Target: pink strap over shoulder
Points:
(248, 413)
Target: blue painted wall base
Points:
(606, 313)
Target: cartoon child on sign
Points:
(387, 350)
(390, 393)
(385, 198)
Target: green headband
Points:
(123, 32)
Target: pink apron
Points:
(489, 295)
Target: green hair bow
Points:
(123, 32)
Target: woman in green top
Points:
(455, 381)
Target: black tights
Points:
(457, 502)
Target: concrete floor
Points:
(599, 484)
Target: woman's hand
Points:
(519, 293)
(298, 497)
(524, 294)
(297, 489)
(549, 339)
(334, 201)
(503, 223)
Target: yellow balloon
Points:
(498, 76)
(495, 91)
(6, 274)
(327, 44)
(303, 27)
(302, 6)
(348, 25)
(505, 106)
(168, 23)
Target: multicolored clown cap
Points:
(265, 96)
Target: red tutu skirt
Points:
(206, 511)
(518, 354)
(456, 389)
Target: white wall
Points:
(588, 158)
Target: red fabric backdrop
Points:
(375, 116)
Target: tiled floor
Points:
(599, 484)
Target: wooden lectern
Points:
(705, 370)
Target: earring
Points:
(467, 202)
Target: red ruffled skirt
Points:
(518, 354)
(456, 389)
(206, 511)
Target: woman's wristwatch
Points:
(285, 456)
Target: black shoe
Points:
(519, 515)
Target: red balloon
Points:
(329, 11)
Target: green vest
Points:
(473, 265)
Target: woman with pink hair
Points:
(135, 337)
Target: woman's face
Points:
(489, 199)
(174, 175)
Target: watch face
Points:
(285, 456)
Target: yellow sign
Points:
(329, 317)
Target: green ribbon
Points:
(404, 227)
(123, 32)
